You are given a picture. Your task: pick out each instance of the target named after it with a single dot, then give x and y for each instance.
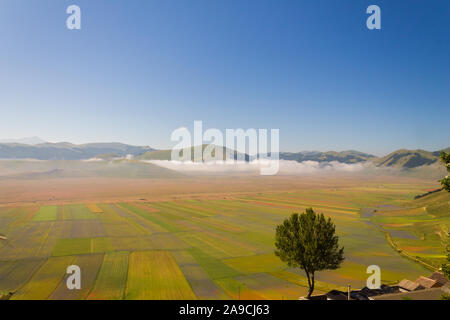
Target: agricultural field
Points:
(216, 247)
(419, 230)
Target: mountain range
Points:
(68, 151)
(201, 150)
(409, 158)
(403, 159)
(349, 157)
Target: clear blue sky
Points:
(140, 69)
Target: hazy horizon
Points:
(20, 140)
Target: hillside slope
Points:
(209, 154)
(408, 159)
(349, 157)
(420, 228)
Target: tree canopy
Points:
(309, 241)
(445, 158)
(446, 267)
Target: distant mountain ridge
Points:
(408, 159)
(350, 156)
(67, 151)
(167, 154)
(402, 159)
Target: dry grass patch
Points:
(94, 208)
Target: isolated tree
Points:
(445, 158)
(309, 241)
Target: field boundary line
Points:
(96, 277)
(44, 242)
(62, 278)
(30, 276)
(125, 290)
(406, 255)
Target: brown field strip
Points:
(203, 287)
(87, 229)
(90, 266)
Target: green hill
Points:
(67, 151)
(408, 159)
(167, 154)
(350, 156)
(156, 155)
(420, 228)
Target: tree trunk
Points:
(310, 284)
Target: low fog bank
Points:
(147, 169)
(286, 167)
(292, 167)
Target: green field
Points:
(215, 248)
(419, 230)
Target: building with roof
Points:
(363, 294)
(407, 285)
(427, 294)
(427, 283)
(424, 288)
(440, 278)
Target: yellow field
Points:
(46, 279)
(94, 208)
(111, 280)
(156, 275)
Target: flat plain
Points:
(210, 238)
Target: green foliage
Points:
(445, 296)
(309, 241)
(6, 296)
(445, 158)
(446, 268)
